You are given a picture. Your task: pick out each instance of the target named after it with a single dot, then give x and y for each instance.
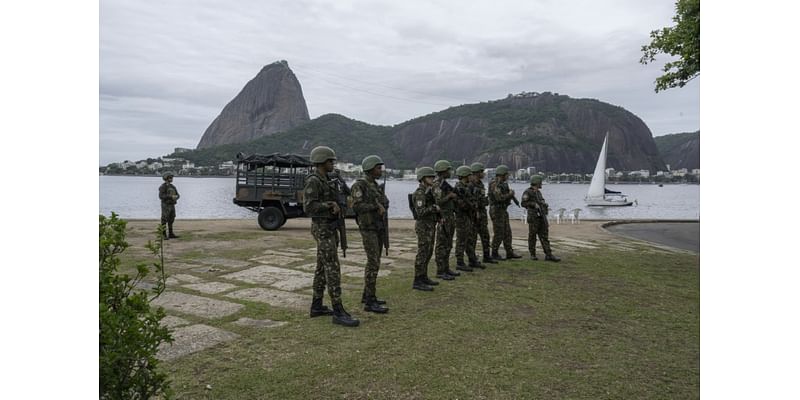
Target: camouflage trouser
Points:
(501, 228)
(465, 237)
(373, 244)
(167, 213)
(426, 231)
(538, 226)
(327, 271)
(483, 230)
(444, 241)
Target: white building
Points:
(187, 165)
(154, 166)
(696, 171)
(642, 173)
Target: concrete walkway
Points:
(681, 235)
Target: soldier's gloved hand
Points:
(381, 210)
(335, 208)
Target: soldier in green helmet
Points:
(427, 214)
(446, 200)
(319, 203)
(169, 196)
(466, 219)
(368, 203)
(482, 228)
(500, 196)
(533, 201)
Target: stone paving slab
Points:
(191, 339)
(360, 273)
(276, 259)
(211, 287)
(578, 243)
(187, 278)
(207, 269)
(281, 278)
(259, 323)
(196, 305)
(273, 297)
(311, 267)
(171, 321)
(225, 262)
(411, 256)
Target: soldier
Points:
(537, 208)
(319, 202)
(445, 199)
(169, 196)
(427, 214)
(466, 219)
(368, 203)
(483, 219)
(500, 196)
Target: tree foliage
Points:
(130, 330)
(681, 40)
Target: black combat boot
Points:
(372, 305)
(428, 281)
(317, 308)
(552, 258)
(511, 254)
(452, 273)
(534, 258)
(364, 299)
(487, 258)
(445, 276)
(172, 235)
(496, 255)
(462, 267)
(460, 263)
(420, 285)
(476, 264)
(341, 317)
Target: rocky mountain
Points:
(271, 102)
(549, 131)
(680, 150)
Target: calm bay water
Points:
(212, 198)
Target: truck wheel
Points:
(271, 218)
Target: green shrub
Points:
(130, 330)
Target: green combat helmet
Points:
(463, 171)
(424, 171)
(370, 162)
(442, 165)
(167, 174)
(477, 167)
(501, 170)
(320, 154)
(536, 180)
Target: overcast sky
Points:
(168, 68)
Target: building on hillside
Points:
(155, 166)
(696, 171)
(643, 173)
(187, 165)
(181, 150)
(680, 172)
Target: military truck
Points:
(272, 186)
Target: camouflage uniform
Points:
(466, 207)
(319, 196)
(366, 197)
(166, 192)
(445, 229)
(483, 219)
(537, 220)
(425, 227)
(499, 199)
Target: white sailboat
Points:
(598, 195)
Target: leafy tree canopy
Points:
(681, 40)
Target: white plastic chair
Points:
(575, 216)
(560, 215)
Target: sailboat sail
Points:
(598, 185)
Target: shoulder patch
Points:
(419, 203)
(357, 193)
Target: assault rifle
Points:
(385, 215)
(342, 191)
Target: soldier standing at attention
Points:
(483, 219)
(319, 202)
(499, 199)
(537, 208)
(445, 199)
(368, 204)
(466, 216)
(427, 214)
(169, 196)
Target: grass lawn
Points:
(603, 323)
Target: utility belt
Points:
(324, 220)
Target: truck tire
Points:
(271, 218)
